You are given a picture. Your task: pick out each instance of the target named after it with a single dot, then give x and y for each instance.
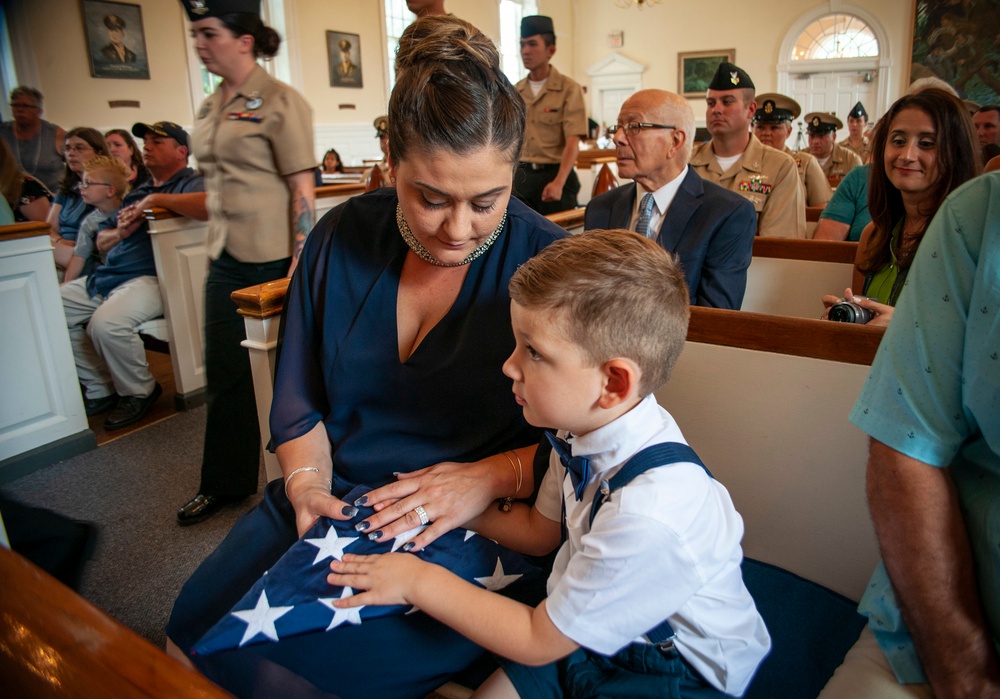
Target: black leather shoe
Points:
(131, 409)
(96, 406)
(200, 508)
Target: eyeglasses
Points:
(77, 149)
(85, 184)
(633, 127)
(21, 105)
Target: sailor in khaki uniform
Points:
(772, 124)
(835, 160)
(738, 161)
(556, 121)
(857, 122)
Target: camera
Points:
(850, 312)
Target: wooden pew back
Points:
(53, 643)
(788, 276)
(764, 401)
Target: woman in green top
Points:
(925, 147)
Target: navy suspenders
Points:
(664, 454)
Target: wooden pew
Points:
(53, 643)
(788, 276)
(604, 182)
(764, 401)
(42, 418)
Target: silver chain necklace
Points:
(424, 254)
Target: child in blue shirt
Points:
(599, 321)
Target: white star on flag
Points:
(261, 619)
(406, 536)
(331, 545)
(498, 580)
(468, 535)
(351, 615)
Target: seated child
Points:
(103, 185)
(599, 320)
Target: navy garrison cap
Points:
(114, 22)
(774, 109)
(858, 111)
(730, 77)
(536, 24)
(203, 9)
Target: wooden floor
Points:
(159, 364)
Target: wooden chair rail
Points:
(798, 249)
(53, 643)
(30, 229)
(802, 337)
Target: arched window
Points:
(835, 36)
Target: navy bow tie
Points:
(578, 466)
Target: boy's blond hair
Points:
(113, 170)
(620, 295)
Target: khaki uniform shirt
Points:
(245, 151)
(554, 114)
(840, 162)
(767, 178)
(815, 186)
(864, 152)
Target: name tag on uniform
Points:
(755, 184)
(245, 116)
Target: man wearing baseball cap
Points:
(105, 309)
(772, 124)
(556, 121)
(835, 160)
(737, 160)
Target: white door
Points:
(835, 92)
(611, 103)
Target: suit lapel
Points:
(621, 208)
(682, 208)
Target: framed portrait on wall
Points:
(116, 43)
(695, 70)
(344, 51)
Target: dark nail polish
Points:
(374, 536)
(361, 526)
(363, 500)
(408, 546)
(349, 511)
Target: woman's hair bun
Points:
(442, 39)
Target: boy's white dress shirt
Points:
(666, 546)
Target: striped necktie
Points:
(645, 213)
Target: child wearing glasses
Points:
(646, 589)
(103, 184)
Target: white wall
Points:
(653, 37)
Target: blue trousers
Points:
(638, 671)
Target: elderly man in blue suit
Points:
(708, 228)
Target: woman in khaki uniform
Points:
(253, 139)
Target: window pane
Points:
(836, 36)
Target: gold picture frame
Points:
(696, 68)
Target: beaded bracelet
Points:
(508, 502)
(290, 476)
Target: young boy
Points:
(103, 185)
(599, 320)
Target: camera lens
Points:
(850, 312)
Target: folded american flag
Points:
(293, 597)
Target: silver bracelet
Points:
(290, 476)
